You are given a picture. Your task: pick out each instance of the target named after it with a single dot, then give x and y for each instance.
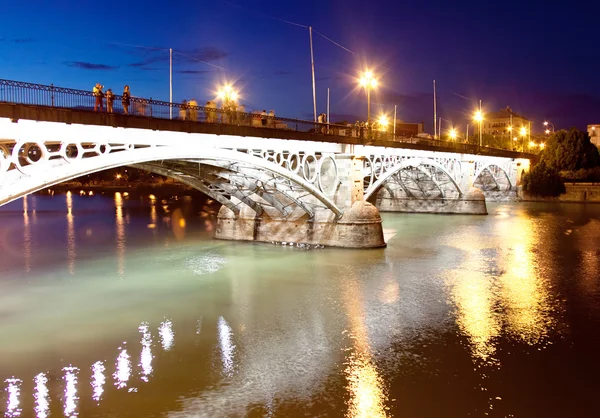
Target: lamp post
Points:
(509, 129)
(546, 125)
(478, 117)
(228, 96)
(368, 81)
(453, 134)
(383, 123)
(523, 133)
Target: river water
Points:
(124, 306)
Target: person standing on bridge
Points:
(272, 118)
(126, 99)
(263, 118)
(97, 91)
(110, 98)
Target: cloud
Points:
(191, 56)
(90, 66)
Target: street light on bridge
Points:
(453, 134)
(369, 82)
(227, 94)
(383, 122)
(478, 117)
(523, 133)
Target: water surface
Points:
(114, 305)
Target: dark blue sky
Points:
(537, 58)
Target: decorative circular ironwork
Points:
(293, 163)
(309, 167)
(71, 152)
(368, 173)
(326, 165)
(280, 158)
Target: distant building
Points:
(497, 123)
(409, 129)
(594, 132)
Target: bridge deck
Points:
(77, 116)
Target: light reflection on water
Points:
(71, 253)
(26, 235)
(70, 395)
(41, 396)
(491, 281)
(146, 354)
(13, 390)
(226, 346)
(167, 336)
(366, 388)
(120, 234)
(98, 380)
(123, 369)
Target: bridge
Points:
(277, 179)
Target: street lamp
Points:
(523, 133)
(368, 81)
(542, 145)
(383, 122)
(227, 94)
(478, 117)
(546, 123)
(453, 134)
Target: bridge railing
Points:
(66, 98)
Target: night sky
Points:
(541, 59)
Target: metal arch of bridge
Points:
(413, 162)
(486, 167)
(45, 172)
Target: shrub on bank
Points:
(543, 180)
(591, 175)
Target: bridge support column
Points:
(358, 227)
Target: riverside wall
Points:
(575, 193)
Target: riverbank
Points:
(575, 193)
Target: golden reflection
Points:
(525, 294)
(153, 215)
(13, 390)
(146, 355)
(120, 231)
(26, 236)
(178, 224)
(365, 386)
(474, 298)
(41, 396)
(98, 380)
(70, 234)
(473, 293)
(70, 398)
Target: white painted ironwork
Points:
(269, 175)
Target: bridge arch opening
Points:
(492, 177)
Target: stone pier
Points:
(359, 226)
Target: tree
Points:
(571, 151)
(543, 180)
